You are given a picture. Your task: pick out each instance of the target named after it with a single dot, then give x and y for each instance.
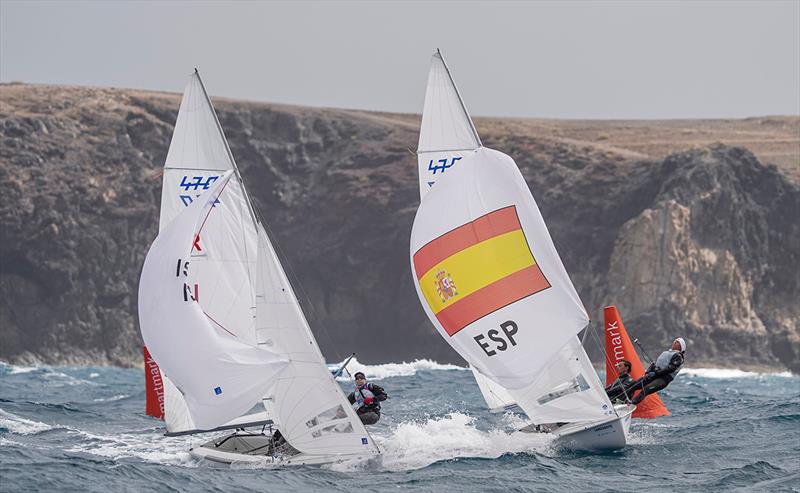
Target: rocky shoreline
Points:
(689, 227)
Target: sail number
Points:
(197, 183)
(501, 343)
(442, 164)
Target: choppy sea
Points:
(84, 429)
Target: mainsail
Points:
(235, 280)
(491, 282)
(447, 133)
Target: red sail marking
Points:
(154, 387)
(619, 347)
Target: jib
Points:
(509, 328)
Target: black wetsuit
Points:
(370, 413)
(617, 390)
(656, 378)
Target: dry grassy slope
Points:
(675, 239)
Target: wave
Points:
(730, 373)
(388, 370)
(21, 426)
(418, 444)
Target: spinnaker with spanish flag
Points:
(493, 285)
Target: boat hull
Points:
(256, 451)
(610, 434)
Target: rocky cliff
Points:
(677, 223)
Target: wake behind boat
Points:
(492, 283)
(227, 344)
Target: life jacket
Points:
(664, 360)
(362, 393)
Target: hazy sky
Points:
(539, 59)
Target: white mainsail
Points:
(446, 133)
(220, 375)
(493, 285)
(236, 280)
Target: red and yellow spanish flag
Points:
(477, 268)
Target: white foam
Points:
(388, 370)
(111, 399)
(153, 447)
(21, 426)
(18, 370)
(417, 444)
(731, 373)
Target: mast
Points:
(250, 207)
(460, 99)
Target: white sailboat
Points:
(492, 283)
(220, 318)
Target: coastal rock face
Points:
(696, 241)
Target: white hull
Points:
(258, 453)
(609, 434)
(606, 434)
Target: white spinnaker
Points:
(220, 376)
(447, 133)
(306, 403)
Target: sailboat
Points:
(492, 283)
(228, 345)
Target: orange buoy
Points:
(619, 347)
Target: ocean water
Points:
(84, 429)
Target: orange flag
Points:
(619, 347)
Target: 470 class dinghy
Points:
(492, 283)
(227, 344)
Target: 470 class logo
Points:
(196, 183)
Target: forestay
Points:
(221, 376)
(306, 403)
(447, 133)
(492, 283)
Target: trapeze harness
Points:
(360, 395)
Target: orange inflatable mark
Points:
(153, 386)
(619, 347)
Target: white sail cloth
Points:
(447, 131)
(197, 157)
(484, 182)
(533, 358)
(220, 375)
(306, 403)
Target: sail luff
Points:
(460, 99)
(227, 147)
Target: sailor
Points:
(366, 400)
(617, 389)
(660, 373)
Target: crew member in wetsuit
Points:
(366, 400)
(617, 390)
(660, 373)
